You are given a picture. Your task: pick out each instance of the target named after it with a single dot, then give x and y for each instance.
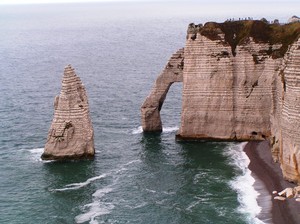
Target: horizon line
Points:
(31, 2)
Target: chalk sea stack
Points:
(71, 134)
(241, 82)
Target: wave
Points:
(244, 183)
(131, 162)
(37, 151)
(139, 130)
(35, 154)
(170, 129)
(76, 186)
(96, 208)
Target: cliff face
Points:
(285, 120)
(240, 82)
(71, 135)
(227, 89)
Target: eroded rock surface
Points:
(71, 135)
(241, 82)
(227, 87)
(285, 119)
(151, 121)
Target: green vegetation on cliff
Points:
(239, 32)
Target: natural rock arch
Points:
(173, 72)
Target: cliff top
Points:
(239, 32)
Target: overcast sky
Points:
(273, 9)
(62, 1)
(199, 1)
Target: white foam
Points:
(37, 151)
(35, 154)
(101, 192)
(137, 130)
(76, 186)
(192, 205)
(96, 208)
(131, 162)
(151, 191)
(143, 204)
(170, 129)
(243, 184)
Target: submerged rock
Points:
(71, 135)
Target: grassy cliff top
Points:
(239, 32)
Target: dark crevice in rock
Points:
(222, 54)
(252, 87)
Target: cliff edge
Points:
(241, 82)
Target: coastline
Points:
(268, 178)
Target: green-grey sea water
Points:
(117, 49)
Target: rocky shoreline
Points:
(269, 173)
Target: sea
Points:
(118, 49)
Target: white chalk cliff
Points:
(150, 109)
(71, 135)
(241, 81)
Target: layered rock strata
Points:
(71, 134)
(241, 82)
(227, 93)
(173, 71)
(285, 120)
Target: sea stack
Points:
(71, 134)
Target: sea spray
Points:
(76, 186)
(35, 154)
(96, 208)
(170, 129)
(243, 184)
(139, 130)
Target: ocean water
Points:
(117, 49)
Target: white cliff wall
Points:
(287, 125)
(239, 86)
(226, 97)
